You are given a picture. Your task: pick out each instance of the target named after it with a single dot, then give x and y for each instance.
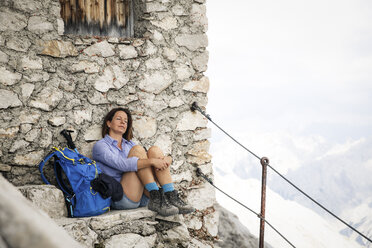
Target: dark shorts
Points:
(126, 203)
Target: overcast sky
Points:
(303, 67)
(292, 80)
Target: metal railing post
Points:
(264, 163)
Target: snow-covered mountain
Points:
(361, 218)
(300, 225)
(336, 174)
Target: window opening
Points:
(98, 17)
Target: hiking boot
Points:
(175, 200)
(159, 204)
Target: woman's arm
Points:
(158, 163)
(102, 153)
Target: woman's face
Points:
(119, 123)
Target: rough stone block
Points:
(36, 77)
(165, 144)
(199, 153)
(129, 240)
(29, 159)
(30, 117)
(177, 234)
(8, 77)
(4, 58)
(127, 52)
(79, 230)
(112, 78)
(193, 222)
(12, 21)
(157, 37)
(9, 132)
(39, 25)
(201, 85)
(211, 223)
(167, 23)
(9, 99)
(144, 127)
(47, 99)
(178, 10)
(46, 137)
(32, 135)
(194, 243)
(148, 49)
(93, 133)
(183, 71)
(192, 41)
(98, 98)
(31, 64)
(18, 144)
(57, 121)
(27, 6)
(5, 167)
(27, 89)
(47, 198)
(82, 115)
(103, 49)
(85, 66)
(202, 134)
(153, 64)
(59, 49)
(18, 43)
(190, 121)
(205, 192)
(170, 54)
(155, 7)
(198, 16)
(200, 62)
(156, 82)
(183, 176)
(113, 218)
(175, 102)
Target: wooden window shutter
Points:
(98, 17)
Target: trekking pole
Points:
(70, 143)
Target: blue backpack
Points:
(81, 199)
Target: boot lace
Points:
(174, 197)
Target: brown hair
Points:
(128, 135)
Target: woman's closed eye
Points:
(119, 119)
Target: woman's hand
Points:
(160, 163)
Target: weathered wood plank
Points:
(88, 9)
(126, 12)
(81, 11)
(97, 17)
(101, 12)
(68, 12)
(73, 11)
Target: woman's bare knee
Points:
(155, 152)
(138, 151)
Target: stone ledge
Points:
(138, 225)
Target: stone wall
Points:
(50, 81)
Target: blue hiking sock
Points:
(168, 187)
(151, 186)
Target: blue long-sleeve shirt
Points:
(113, 161)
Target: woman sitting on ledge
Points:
(138, 171)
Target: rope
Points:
(196, 107)
(199, 173)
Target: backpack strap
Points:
(68, 193)
(58, 173)
(41, 166)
